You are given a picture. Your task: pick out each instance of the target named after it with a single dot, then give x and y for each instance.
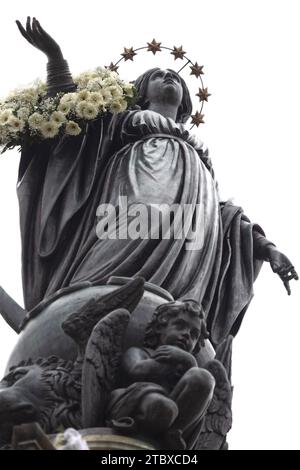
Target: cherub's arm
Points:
(58, 74)
(138, 366)
(179, 360)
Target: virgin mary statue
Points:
(147, 156)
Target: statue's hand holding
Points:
(174, 355)
(282, 266)
(39, 38)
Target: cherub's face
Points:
(183, 330)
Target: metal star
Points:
(128, 53)
(112, 67)
(197, 70)
(178, 52)
(203, 94)
(197, 118)
(154, 46)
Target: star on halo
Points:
(154, 46)
(197, 118)
(197, 70)
(128, 53)
(203, 94)
(178, 52)
(112, 67)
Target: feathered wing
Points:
(101, 364)
(218, 418)
(80, 324)
(224, 354)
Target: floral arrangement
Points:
(28, 115)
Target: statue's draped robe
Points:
(150, 160)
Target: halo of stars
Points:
(195, 69)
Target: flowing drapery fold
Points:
(150, 160)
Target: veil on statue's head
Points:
(141, 84)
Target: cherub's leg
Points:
(192, 395)
(156, 413)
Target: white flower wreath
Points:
(28, 115)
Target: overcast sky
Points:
(250, 53)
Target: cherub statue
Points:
(166, 390)
(162, 393)
(159, 381)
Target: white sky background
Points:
(251, 53)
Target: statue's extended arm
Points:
(280, 264)
(58, 74)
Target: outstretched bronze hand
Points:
(282, 266)
(39, 38)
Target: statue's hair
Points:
(141, 84)
(168, 310)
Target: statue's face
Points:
(183, 330)
(165, 86)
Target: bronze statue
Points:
(162, 380)
(146, 156)
(165, 394)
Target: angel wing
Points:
(101, 364)
(79, 325)
(218, 418)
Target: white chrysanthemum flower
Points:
(96, 98)
(83, 95)
(65, 108)
(118, 106)
(58, 117)
(81, 80)
(84, 77)
(35, 120)
(116, 91)
(106, 95)
(80, 107)
(16, 124)
(49, 129)
(90, 111)
(107, 82)
(70, 98)
(95, 84)
(72, 128)
(128, 90)
(86, 110)
(5, 115)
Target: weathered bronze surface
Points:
(85, 297)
